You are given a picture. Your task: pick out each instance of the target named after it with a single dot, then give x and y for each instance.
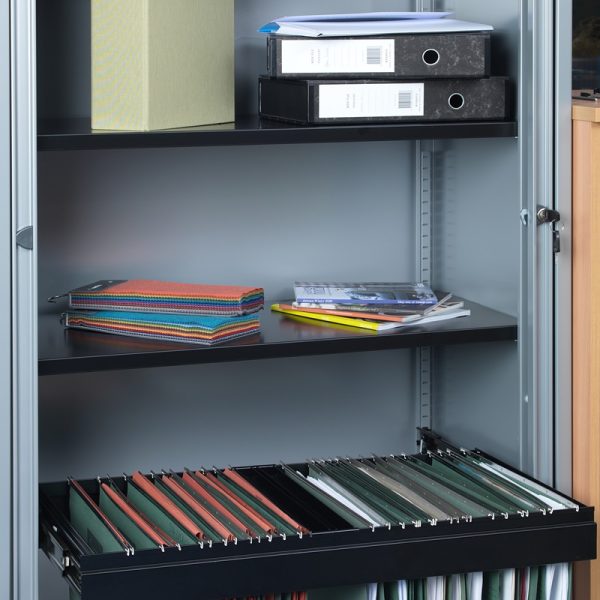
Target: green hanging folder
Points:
(355, 497)
(460, 502)
(226, 502)
(409, 490)
(491, 585)
(210, 533)
(134, 534)
(391, 591)
(91, 527)
(519, 498)
(502, 503)
(220, 516)
(344, 512)
(534, 574)
(154, 512)
(346, 592)
(257, 505)
(447, 477)
(382, 500)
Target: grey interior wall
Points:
(483, 413)
(477, 226)
(477, 255)
(254, 215)
(255, 412)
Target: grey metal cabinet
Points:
(264, 205)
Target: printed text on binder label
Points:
(371, 100)
(337, 56)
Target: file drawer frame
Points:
(318, 560)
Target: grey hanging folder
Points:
(396, 56)
(315, 102)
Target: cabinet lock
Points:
(548, 215)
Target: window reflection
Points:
(586, 44)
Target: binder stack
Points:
(176, 312)
(380, 67)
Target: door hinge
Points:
(25, 237)
(548, 215)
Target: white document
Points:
(525, 576)
(338, 56)
(560, 583)
(475, 586)
(456, 590)
(369, 16)
(548, 574)
(507, 584)
(553, 499)
(372, 591)
(343, 500)
(358, 28)
(403, 590)
(360, 100)
(436, 588)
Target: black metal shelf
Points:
(76, 134)
(72, 351)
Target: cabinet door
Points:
(5, 293)
(18, 305)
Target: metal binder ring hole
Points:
(456, 101)
(431, 57)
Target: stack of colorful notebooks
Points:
(194, 313)
(374, 306)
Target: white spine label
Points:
(337, 56)
(371, 100)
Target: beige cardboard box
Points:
(160, 64)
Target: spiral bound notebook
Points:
(149, 296)
(193, 329)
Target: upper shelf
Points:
(76, 134)
(71, 351)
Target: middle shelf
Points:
(70, 351)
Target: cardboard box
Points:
(162, 64)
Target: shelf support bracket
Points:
(424, 214)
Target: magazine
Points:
(365, 294)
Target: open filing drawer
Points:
(333, 554)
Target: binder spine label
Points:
(337, 56)
(371, 100)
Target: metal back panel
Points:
(476, 204)
(485, 188)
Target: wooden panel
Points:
(586, 327)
